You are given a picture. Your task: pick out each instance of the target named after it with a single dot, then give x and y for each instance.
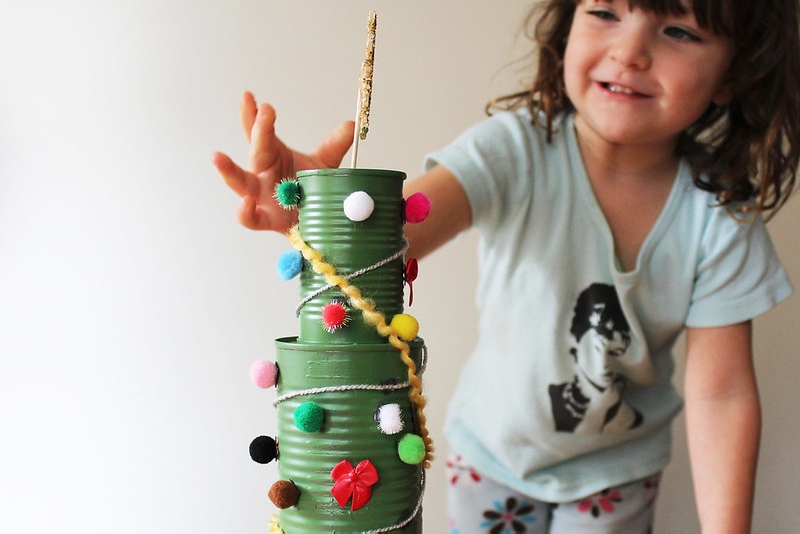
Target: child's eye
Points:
(602, 14)
(680, 34)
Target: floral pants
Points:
(479, 505)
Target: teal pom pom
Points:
(308, 417)
(411, 449)
(290, 264)
(287, 193)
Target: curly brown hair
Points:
(744, 152)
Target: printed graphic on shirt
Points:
(592, 402)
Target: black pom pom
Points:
(263, 449)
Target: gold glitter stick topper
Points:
(365, 87)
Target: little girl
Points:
(620, 202)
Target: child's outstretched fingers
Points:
(267, 152)
(244, 184)
(251, 215)
(247, 113)
(254, 212)
(269, 162)
(331, 151)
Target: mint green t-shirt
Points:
(568, 390)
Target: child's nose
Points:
(631, 49)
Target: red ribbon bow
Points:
(411, 273)
(356, 481)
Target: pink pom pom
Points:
(417, 208)
(264, 373)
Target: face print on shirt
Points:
(592, 402)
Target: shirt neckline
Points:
(584, 187)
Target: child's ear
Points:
(724, 94)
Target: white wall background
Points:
(131, 303)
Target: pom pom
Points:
(284, 494)
(264, 373)
(263, 449)
(287, 193)
(290, 263)
(308, 417)
(334, 316)
(389, 418)
(417, 208)
(405, 326)
(411, 449)
(358, 206)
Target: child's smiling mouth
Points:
(619, 89)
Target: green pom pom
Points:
(287, 193)
(309, 416)
(411, 449)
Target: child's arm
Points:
(450, 211)
(270, 161)
(723, 418)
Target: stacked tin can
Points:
(351, 444)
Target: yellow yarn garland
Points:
(376, 319)
(275, 525)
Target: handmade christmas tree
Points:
(351, 442)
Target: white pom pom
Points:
(389, 419)
(358, 206)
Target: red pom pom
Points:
(334, 316)
(417, 208)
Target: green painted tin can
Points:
(350, 384)
(351, 246)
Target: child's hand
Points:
(270, 161)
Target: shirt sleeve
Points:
(739, 275)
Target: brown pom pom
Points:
(284, 494)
